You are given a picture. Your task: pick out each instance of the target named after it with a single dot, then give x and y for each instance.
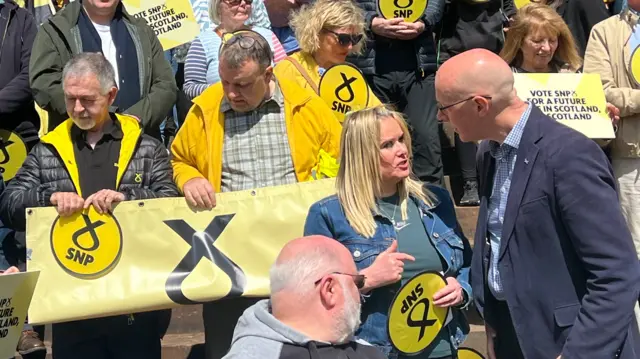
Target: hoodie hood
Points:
(259, 335)
(257, 321)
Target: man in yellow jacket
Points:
(248, 131)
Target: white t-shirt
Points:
(108, 47)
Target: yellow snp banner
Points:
(576, 100)
(159, 253)
(172, 20)
(16, 291)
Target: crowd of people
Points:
(552, 271)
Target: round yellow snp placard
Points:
(86, 245)
(344, 89)
(468, 353)
(13, 152)
(414, 322)
(409, 10)
(634, 65)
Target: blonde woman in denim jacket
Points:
(395, 227)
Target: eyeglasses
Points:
(358, 279)
(442, 108)
(346, 39)
(237, 2)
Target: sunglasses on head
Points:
(358, 279)
(242, 38)
(346, 39)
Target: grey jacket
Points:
(259, 335)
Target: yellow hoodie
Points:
(287, 70)
(314, 136)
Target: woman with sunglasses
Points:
(201, 65)
(327, 31)
(394, 226)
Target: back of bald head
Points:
(475, 72)
(304, 260)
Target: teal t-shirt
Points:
(413, 240)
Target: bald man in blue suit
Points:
(555, 273)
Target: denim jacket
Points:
(326, 217)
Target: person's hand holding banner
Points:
(11, 270)
(199, 193)
(614, 113)
(103, 200)
(386, 269)
(67, 203)
(449, 296)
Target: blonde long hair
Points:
(532, 17)
(309, 21)
(359, 182)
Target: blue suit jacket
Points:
(568, 266)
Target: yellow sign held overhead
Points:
(16, 291)
(172, 20)
(344, 89)
(520, 3)
(575, 100)
(409, 10)
(13, 152)
(414, 322)
(468, 353)
(86, 245)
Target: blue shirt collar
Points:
(514, 136)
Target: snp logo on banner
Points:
(202, 246)
(87, 245)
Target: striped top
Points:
(259, 16)
(201, 65)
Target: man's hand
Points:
(103, 200)
(67, 203)
(614, 113)
(11, 270)
(491, 335)
(199, 193)
(449, 296)
(413, 30)
(386, 269)
(387, 27)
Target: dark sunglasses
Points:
(358, 279)
(237, 2)
(442, 108)
(346, 39)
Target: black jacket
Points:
(467, 25)
(17, 32)
(424, 46)
(48, 166)
(581, 16)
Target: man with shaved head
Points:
(314, 308)
(554, 272)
